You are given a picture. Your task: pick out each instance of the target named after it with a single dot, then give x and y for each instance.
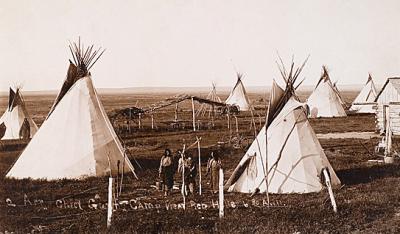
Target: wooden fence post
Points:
(221, 193)
(237, 127)
(110, 202)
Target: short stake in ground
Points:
(110, 202)
(221, 193)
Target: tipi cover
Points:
(325, 100)
(238, 96)
(16, 123)
(77, 139)
(364, 102)
(295, 159)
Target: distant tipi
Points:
(325, 100)
(77, 139)
(16, 123)
(293, 161)
(364, 101)
(206, 108)
(238, 95)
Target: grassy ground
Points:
(368, 201)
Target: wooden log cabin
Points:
(388, 106)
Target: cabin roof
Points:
(395, 81)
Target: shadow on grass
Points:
(363, 175)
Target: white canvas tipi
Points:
(325, 100)
(238, 96)
(364, 102)
(77, 139)
(16, 123)
(293, 160)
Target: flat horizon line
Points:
(347, 87)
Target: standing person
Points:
(213, 166)
(183, 169)
(190, 177)
(182, 162)
(167, 171)
(176, 159)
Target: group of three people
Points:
(187, 167)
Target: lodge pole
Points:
(193, 116)
(199, 151)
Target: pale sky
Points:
(192, 43)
